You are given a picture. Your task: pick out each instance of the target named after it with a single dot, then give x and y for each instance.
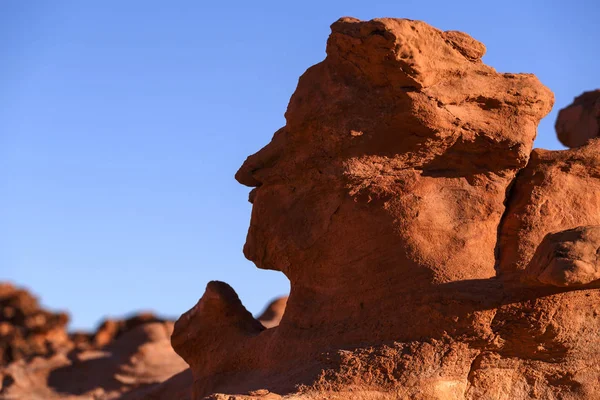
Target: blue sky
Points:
(123, 123)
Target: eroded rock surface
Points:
(430, 252)
(568, 258)
(578, 123)
(395, 108)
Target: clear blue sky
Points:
(122, 124)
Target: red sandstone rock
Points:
(219, 325)
(139, 358)
(557, 191)
(377, 118)
(580, 121)
(271, 316)
(26, 330)
(177, 387)
(41, 361)
(383, 201)
(429, 257)
(568, 258)
(111, 329)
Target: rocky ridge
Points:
(41, 360)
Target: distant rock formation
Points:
(26, 330)
(431, 254)
(41, 361)
(271, 316)
(578, 123)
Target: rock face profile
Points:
(578, 123)
(431, 252)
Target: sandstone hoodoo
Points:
(431, 254)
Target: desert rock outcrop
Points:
(579, 122)
(557, 191)
(271, 316)
(42, 361)
(568, 258)
(27, 330)
(431, 254)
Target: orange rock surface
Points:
(578, 123)
(431, 254)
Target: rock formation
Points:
(580, 121)
(271, 316)
(557, 192)
(431, 254)
(26, 330)
(40, 360)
